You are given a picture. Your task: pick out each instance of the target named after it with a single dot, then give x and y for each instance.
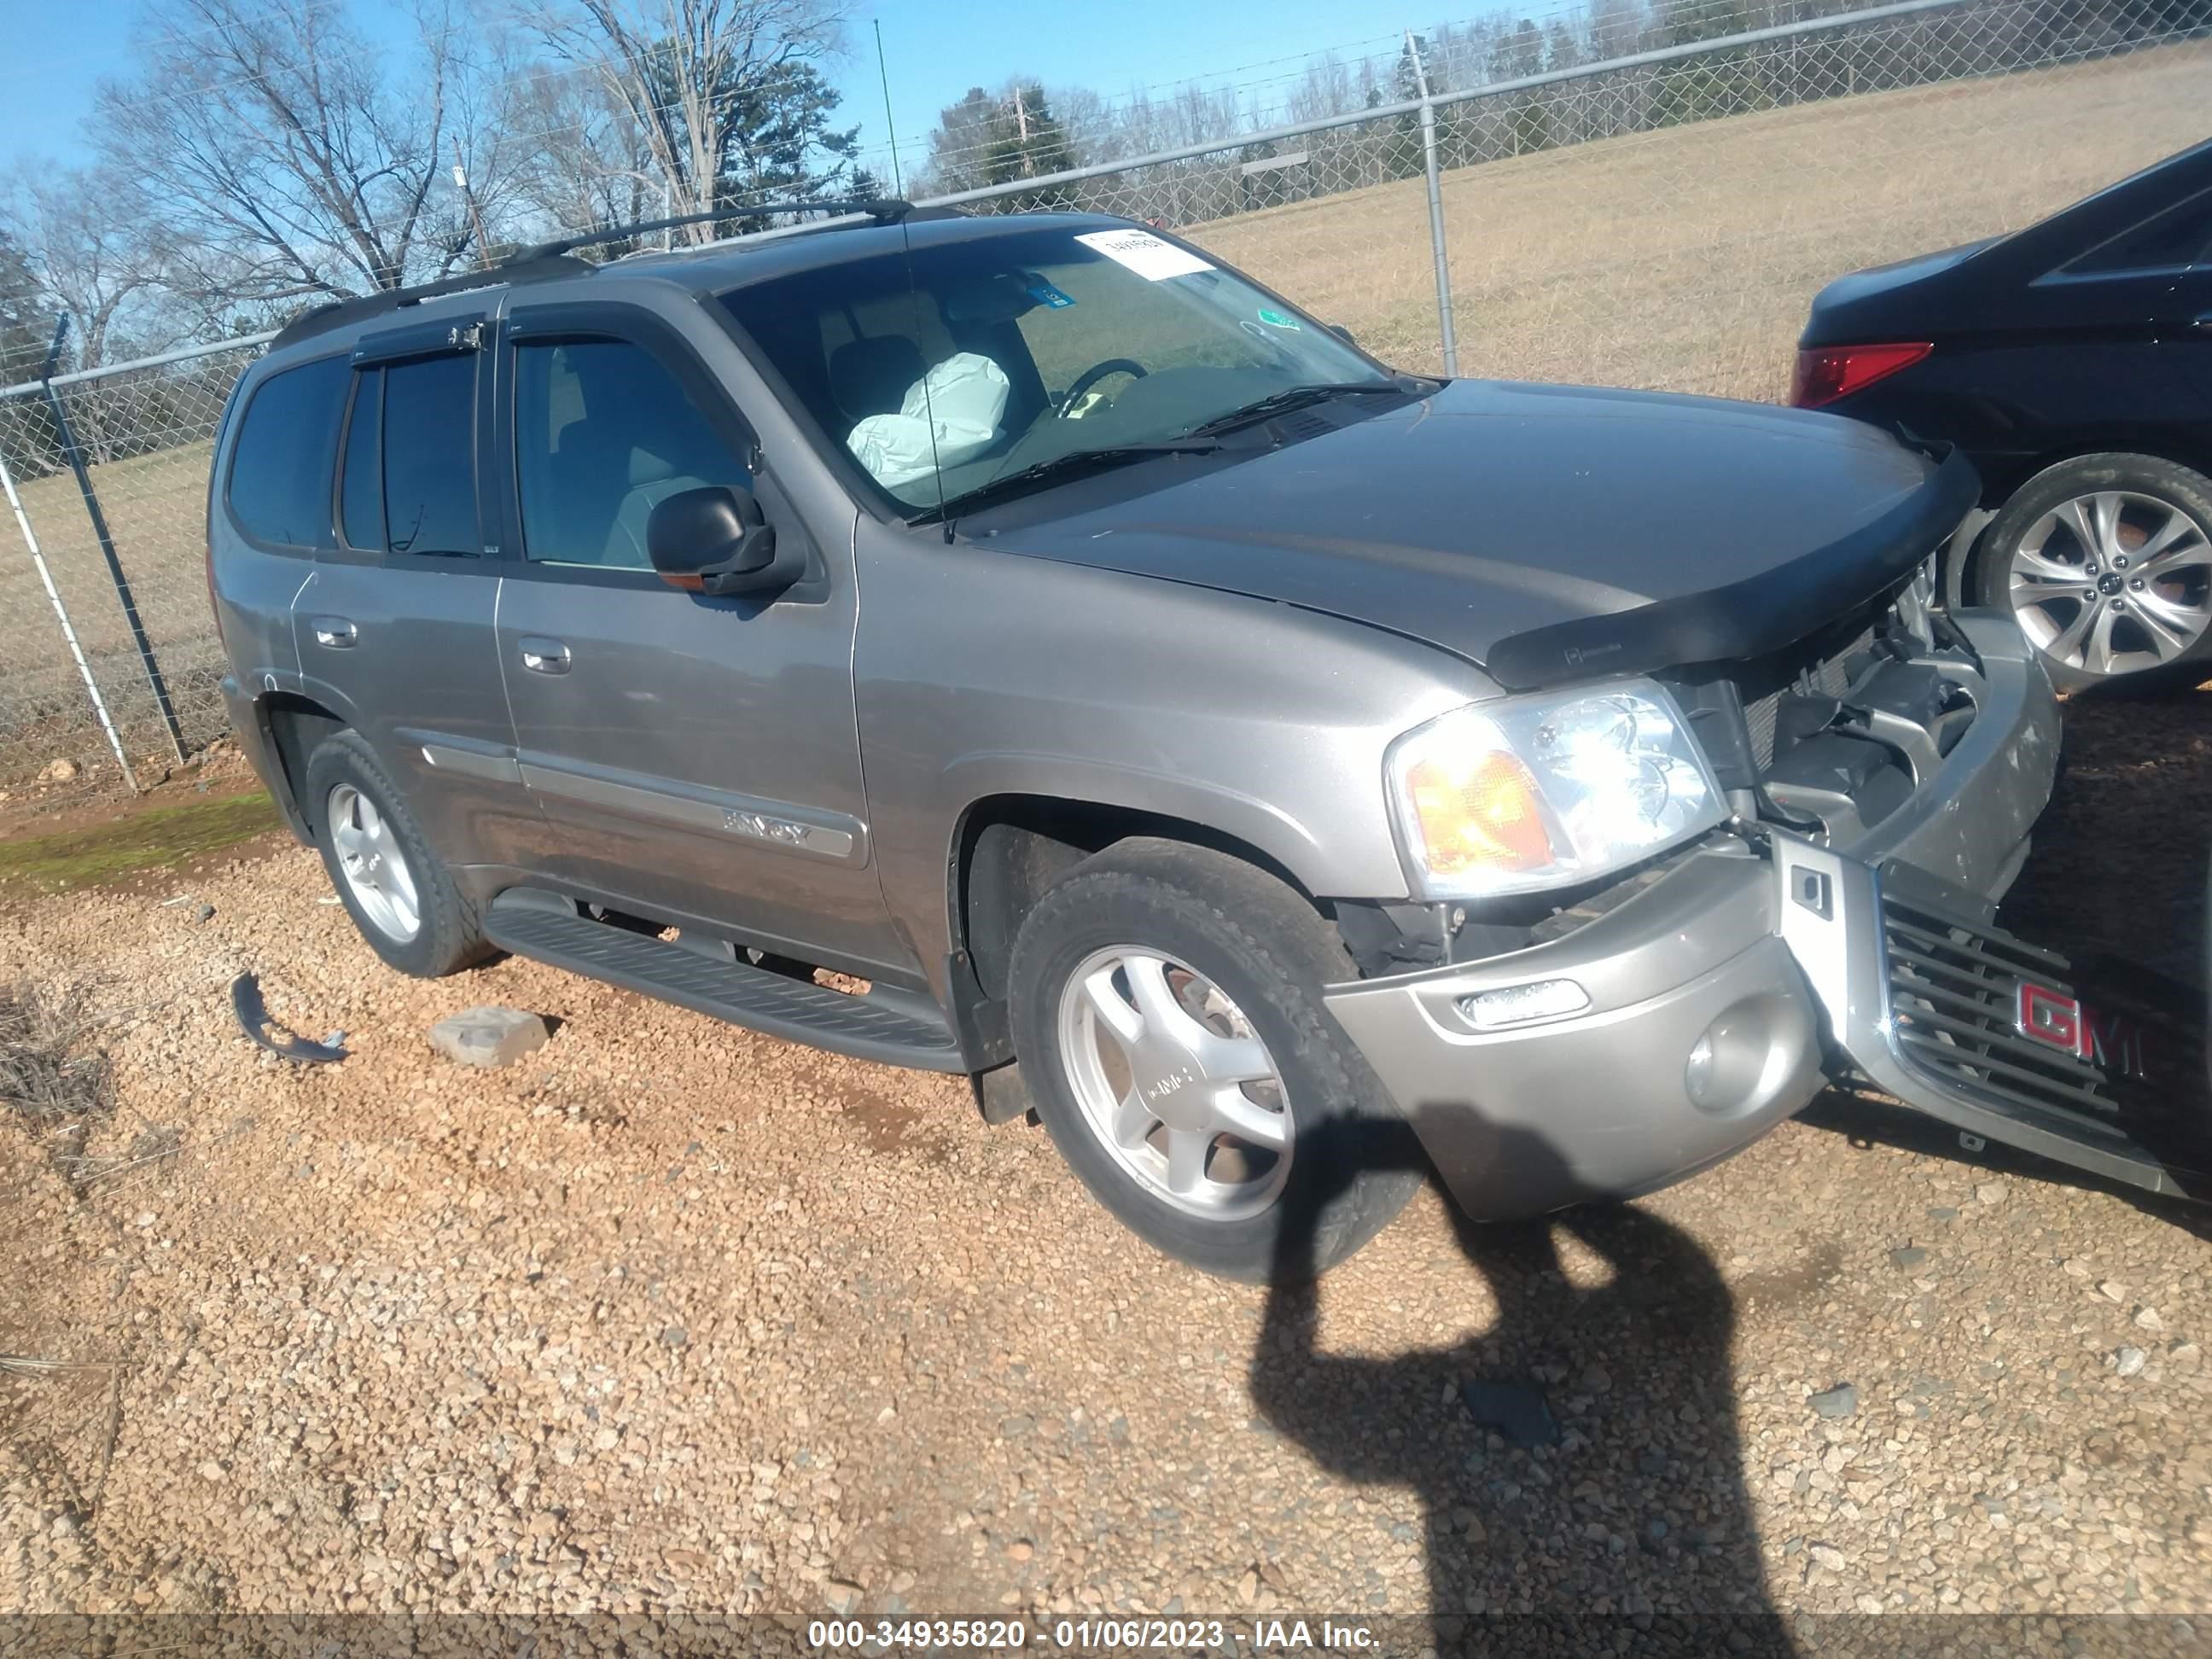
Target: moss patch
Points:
(151, 840)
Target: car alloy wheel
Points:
(373, 866)
(1174, 1084)
(2113, 582)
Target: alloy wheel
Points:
(2113, 582)
(1175, 1085)
(372, 865)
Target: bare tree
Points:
(592, 166)
(288, 153)
(94, 247)
(725, 96)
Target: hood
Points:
(1544, 532)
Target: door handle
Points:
(335, 632)
(543, 656)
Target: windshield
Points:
(1007, 353)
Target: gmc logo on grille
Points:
(2059, 1020)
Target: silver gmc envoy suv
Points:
(1025, 648)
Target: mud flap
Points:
(2099, 1066)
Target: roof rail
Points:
(324, 317)
(884, 211)
(550, 259)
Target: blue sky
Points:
(936, 50)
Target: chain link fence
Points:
(1658, 218)
(110, 469)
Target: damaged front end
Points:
(1885, 773)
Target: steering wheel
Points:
(1091, 377)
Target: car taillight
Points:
(1825, 373)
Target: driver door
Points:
(693, 758)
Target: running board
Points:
(892, 1027)
(2000, 1039)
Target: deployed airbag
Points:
(958, 403)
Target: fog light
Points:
(1523, 1004)
(1698, 1072)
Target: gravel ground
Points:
(668, 1316)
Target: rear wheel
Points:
(1167, 1007)
(395, 888)
(2107, 561)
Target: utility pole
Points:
(461, 178)
(1022, 125)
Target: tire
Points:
(343, 778)
(1347, 1166)
(2031, 537)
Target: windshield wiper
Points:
(1074, 460)
(1290, 397)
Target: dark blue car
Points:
(2072, 361)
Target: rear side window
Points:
(429, 424)
(360, 493)
(2171, 241)
(280, 472)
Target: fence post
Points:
(1446, 336)
(76, 454)
(69, 632)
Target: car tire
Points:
(382, 868)
(2096, 634)
(1246, 957)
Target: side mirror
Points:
(714, 540)
(1344, 333)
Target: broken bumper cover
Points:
(1714, 1003)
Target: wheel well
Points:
(2033, 467)
(296, 727)
(1012, 848)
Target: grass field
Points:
(1680, 260)
(1683, 258)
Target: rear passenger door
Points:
(695, 756)
(396, 630)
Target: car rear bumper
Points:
(1718, 996)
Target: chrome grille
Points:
(1955, 993)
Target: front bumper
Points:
(1719, 996)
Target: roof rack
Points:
(324, 317)
(547, 260)
(884, 210)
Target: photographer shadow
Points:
(1636, 1520)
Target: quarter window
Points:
(280, 472)
(603, 434)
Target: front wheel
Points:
(1167, 1007)
(2105, 561)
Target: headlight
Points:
(1530, 792)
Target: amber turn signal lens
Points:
(1485, 816)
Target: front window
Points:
(954, 365)
(603, 435)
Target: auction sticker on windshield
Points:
(1144, 253)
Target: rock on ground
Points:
(489, 1036)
